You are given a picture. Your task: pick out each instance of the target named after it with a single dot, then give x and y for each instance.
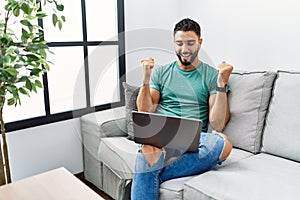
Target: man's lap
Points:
(188, 163)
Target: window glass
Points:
(103, 74)
(71, 29)
(101, 20)
(66, 79)
(30, 107)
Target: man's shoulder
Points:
(165, 68)
(208, 72)
(207, 68)
(168, 66)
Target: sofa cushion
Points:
(248, 101)
(131, 93)
(235, 156)
(173, 189)
(260, 176)
(281, 135)
(119, 154)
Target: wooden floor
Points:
(80, 176)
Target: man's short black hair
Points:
(188, 25)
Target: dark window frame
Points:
(52, 118)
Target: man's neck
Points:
(189, 67)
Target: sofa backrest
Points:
(248, 98)
(282, 130)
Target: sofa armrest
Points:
(94, 126)
(107, 123)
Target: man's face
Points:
(187, 45)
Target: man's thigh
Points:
(191, 163)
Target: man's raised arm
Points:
(219, 113)
(148, 98)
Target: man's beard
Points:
(188, 62)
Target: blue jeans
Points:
(146, 180)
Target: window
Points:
(88, 63)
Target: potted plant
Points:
(23, 59)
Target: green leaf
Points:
(32, 57)
(11, 101)
(4, 75)
(63, 18)
(23, 91)
(23, 79)
(43, 53)
(12, 71)
(31, 17)
(24, 39)
(7, 60)
(13, 58)
(35, 72)
(54, 19)
(41, 15)
(25, 8)
(16, 12)
(59, 24)
(26, 23)
(28, 85)
(34, 88)
(25, 33)
(11, 89)
(60, 7)
(38, 84)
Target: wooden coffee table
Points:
(58, 184)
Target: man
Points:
(188, 88)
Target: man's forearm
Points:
(144, 100)
(220, 113)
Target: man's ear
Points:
(200, 41)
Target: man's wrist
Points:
(145, 84)
(222, 89)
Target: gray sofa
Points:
(264, 164)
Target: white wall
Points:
(39, 149)
(250, 34)
(148, 31)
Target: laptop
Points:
(166, 131)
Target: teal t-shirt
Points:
(185, 93)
